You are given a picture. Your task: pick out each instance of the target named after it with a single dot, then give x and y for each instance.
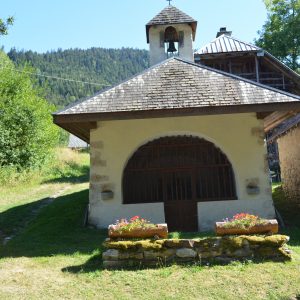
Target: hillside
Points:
(96, 65)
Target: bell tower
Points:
(171, 33)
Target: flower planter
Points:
(270, 227)
(161, 230)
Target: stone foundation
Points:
(225, 249)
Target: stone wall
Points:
(216, 249)
(289, 155)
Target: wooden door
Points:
(179, 200)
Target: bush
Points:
(27, 133)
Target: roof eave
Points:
(226, 52)
(61, 119)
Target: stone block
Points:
(242, 253)
(123, 255)
(209, 243)
(204, 255)
(136, 255)
(95, 178)
(176, 243)
(110, 254)
(186, 253)
(155, 255)
(95, 187)
(276, 240)
(112, 264)
(98, 162)
(223, 260)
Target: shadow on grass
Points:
(75, 173)
(93, 264)
(57, 229)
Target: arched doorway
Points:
(178, 171)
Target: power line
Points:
(56, 77)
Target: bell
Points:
(172, 47)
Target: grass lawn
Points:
(55, 257)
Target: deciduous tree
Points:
(4, 24)
(280, 34)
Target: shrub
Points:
(27, 134)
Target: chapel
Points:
(182, 142)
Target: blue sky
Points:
(42, 25)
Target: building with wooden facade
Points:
(182, 142)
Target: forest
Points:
(99, 67)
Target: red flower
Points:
(134, 218)
(242, 216)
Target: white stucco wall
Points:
(157, 53)
(239, 136)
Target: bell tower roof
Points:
(172, 15)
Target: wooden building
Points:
(231, 55)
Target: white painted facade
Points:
(239, 136)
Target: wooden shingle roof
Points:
(171, 15)
(179, 84)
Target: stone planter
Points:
(270, 227)
(161, 231)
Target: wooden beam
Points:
(81, 130)
(280, 67)
(84, 137)
(277, 118)
(257, 68)
(178, 112)
(263, 115)
(225, 55)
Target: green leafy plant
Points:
(244, 220)
(135, 222)
(27, 133)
